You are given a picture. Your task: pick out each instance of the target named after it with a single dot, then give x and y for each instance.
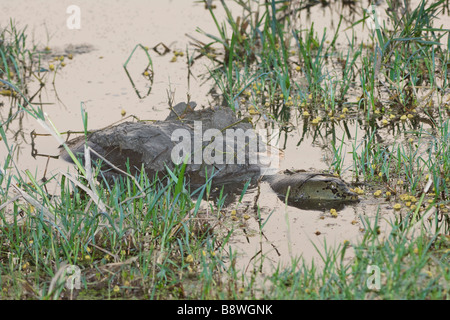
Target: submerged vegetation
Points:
(399, 81)
(381, 105)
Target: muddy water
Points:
(95, 78)
(290, 232)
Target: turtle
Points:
(199, 138)
(312, 190)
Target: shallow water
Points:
(96, 80)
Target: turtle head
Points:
(338, 190)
